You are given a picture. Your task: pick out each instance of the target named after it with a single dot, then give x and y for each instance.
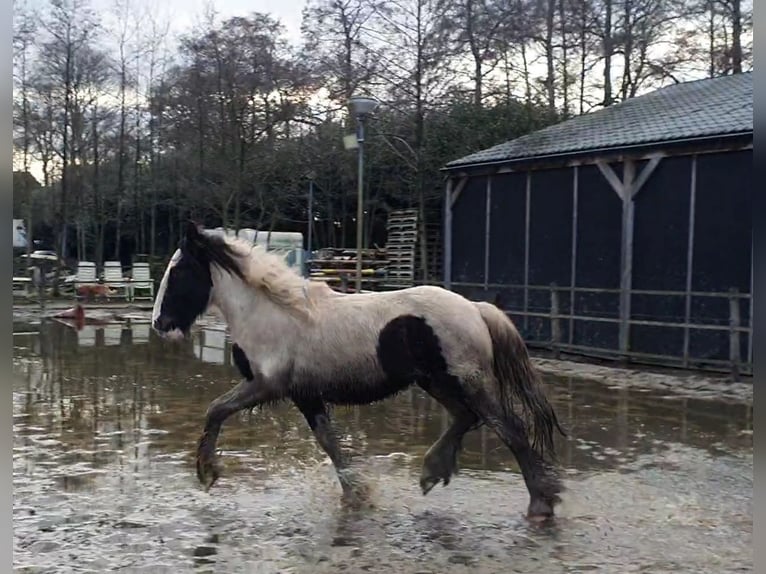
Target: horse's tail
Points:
(518, 379)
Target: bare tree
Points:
(477, 26)
(23, 40)
(71, 27)
(336, 40)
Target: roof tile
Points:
(710, 107)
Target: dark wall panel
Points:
(476, 293)
(708, 344)
(510, 299)
(657, 340)
(469, 217)
(507, 228)
(590, 304)
(723, 222)
(665, 308)
(539, 301)
(661, 227)
(599, 231)
(538, 329)
(599, 334)
(550, 230)
(710, 310)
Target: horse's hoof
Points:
(539, 511)
(428, 482)
(207, 473)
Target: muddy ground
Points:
(106, 419)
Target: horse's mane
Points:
(264, 271)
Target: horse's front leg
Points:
(315, 412)
(246, 395)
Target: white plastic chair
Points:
(112, 335)
(142, 281)
(86, 274)
(86, 337)
(140, 332)
(114, 279)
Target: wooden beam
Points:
(690, 258)
(573, 271)
(447, 271)
(526, 247)
(626, 259)
(458, 188)
(611, 177)
(645, 174)
(487, 231)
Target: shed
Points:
(625, 233)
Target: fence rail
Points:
(734, 326)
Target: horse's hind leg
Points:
(541, 479)
(440, 462)
(315, 412)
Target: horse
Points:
(299, 340)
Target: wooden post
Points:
(555, 322)
(451, 194)
(573, 276)
(734, 324)
(526, 249)
(626, 267)
(627, 190)
(487, 231)
(447, 271)
(690, 259)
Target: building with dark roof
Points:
(622, 233)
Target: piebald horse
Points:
(298, 340)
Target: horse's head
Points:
(184, 292)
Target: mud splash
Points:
(105, 421)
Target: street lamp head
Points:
(362, 106)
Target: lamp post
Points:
(361, 107)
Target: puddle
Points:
(106, 420)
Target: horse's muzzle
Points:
(162, 324)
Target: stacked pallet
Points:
(337, 268)
(400, 248)
(433, 263)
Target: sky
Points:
(187, 12)
(184, 14)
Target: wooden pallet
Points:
(337, 268)
(433, 265)
(402, 228)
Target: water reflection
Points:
(112, 414)
(118, 388)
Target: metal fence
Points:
(561, 321)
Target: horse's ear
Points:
(193, 230)
(193, 238)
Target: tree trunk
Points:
(736, 37)
(550, 79)
(564, 61)
(62, 218)
(608, 54)
(527, 80)
(121, 157)
(472, 43)
(711, 38)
